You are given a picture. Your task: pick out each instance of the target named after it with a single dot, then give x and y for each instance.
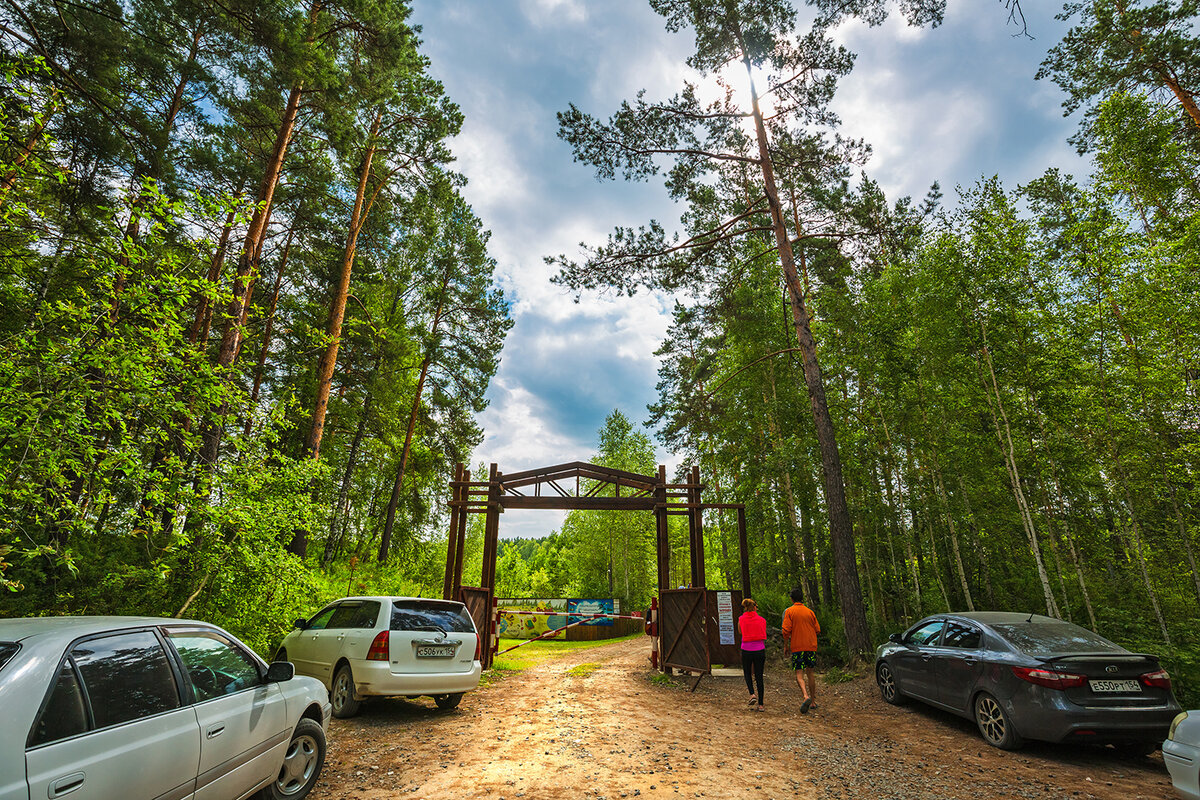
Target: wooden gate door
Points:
(683, 632)
(479, 603)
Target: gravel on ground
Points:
(599, 724)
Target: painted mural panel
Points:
(523, 626)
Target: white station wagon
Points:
(363, 647)
(141, 708)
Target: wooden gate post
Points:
(461, 535)
(696, 527)
(662, 531)
(491, 529)
(448, 585)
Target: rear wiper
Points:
(433, 628)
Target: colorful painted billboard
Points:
(593, 606)
(525, 626)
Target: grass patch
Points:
(839, 675)
(535, 653)
(659, 679)
(583, 670)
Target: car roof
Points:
(394, 598)
(1004, 617)
(18, 629)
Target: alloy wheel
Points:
(991, 720)
(887, 683)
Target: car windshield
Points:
(7, 651)
(1041, 638)
(430, 615)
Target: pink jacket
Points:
(754, 631)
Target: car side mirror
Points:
(280, 671)
(895, 637)
(301, 623)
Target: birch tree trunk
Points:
(1004, 438)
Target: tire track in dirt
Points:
(593, 725)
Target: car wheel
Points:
(889, 690)
(342, 696)
(448, 701)
(995, 725)
(301, 764)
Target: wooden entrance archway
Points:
(576, 486)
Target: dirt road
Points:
(593, 725)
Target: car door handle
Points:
(215, 731)
(926, 656)
(66, 785)
(970, 660)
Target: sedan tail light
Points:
(478, 648)
(1050, 678)
(379, 647)
(1159, 679)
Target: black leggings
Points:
(754, 660)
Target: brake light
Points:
(379, 647)
(478, 648)
(1049, 678)
(1159, 679)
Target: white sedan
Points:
(1181, 753)
(110, 707)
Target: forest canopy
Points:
(248, 318)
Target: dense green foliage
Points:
(245, 309)
(246, 319)
(1013, 380)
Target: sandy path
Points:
(593, 725)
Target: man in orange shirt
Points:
(800, 629)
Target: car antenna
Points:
(1031, 613)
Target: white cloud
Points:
(517, 436)
(545, 13)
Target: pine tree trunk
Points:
(337, 315)
(31, 143)
(268, 329)
(385, 541)
(841, 529)
(248, 266)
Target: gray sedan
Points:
(1025, 676)
(107, 707)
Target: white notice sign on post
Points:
(725, 616)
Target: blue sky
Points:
(951, 104)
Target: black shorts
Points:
(804, 659)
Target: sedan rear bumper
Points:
(1056, 719)
(376, 679)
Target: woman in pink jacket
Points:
(754, 648)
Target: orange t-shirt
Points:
(800, 627)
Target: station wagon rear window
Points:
(1054, 638)
(7, 651)
(427, 615)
